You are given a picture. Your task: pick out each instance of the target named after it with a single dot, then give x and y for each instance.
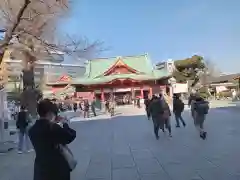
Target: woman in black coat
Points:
(46, 136)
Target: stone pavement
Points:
(124, 148)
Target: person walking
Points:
(112, 105)
(47, 138)
(107, 106)
(200, 110)
(147, 103)
(80, 105)
(22, 123)
(178, 107)
(75, 106)
(86, 109)
(138, 102)
(191, 102)
(93, 107)
(165, 116)
(156, 111)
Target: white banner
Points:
(180, 88)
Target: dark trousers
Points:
(162, 125)
(94, 112)
(148, 113)
(167, 125)
(159, 123)
(156, 127)
(178, 116)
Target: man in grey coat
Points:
(200, 109)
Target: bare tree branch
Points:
(36, 20)
(30, 32)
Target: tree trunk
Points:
(29, 96)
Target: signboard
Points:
(122, 90)
(180, 88)
(170, 66)
(220, 89)
(64, 78)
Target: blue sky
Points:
(165, 29)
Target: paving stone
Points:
(98, 171)
(148, 166)
(103, 158)
(121, 149)
(181, 172)
(142, 154)
(159, 176)
(122, 161)
(124, 147)
(125, 174)
(212, 172)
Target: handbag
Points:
(68, 155)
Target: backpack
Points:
(202, 108)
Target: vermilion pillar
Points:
(150, 92)
(141, 92)
(102, 95)
(93, 95)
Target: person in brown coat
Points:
(165, 116)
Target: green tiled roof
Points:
(97, 67)
(154, 75)
(95, 70)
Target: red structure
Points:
(122, 76)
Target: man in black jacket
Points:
(156, 111)
(47, 138)
(22, 124)
(178, 107)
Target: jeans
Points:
(179, 117)
(167, 125)
(23, 140)
(86, 113)
(112, 111)
(156, 128)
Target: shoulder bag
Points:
(68, 155)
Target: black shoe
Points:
(177, 126)
(157, 137)
(204, 135)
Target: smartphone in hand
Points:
(61, 119)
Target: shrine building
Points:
(129, 75)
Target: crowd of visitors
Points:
(50, 134)
(83, 105)
(158, 110)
